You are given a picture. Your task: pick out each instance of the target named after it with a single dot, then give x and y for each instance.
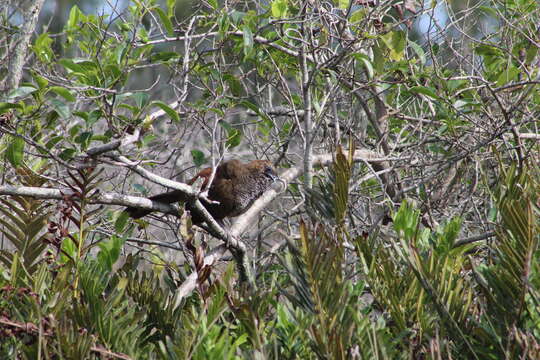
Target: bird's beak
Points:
(271, 175)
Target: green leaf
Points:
(343, 4)
(74, 17)
(6, 106)
(406, 220)
(213, 4)
(171, 7)
(120, 52)
(489, 10)
(141, 99)
(255, 108)
(15, 151)
(488, 50)
(42, 47)
(395, 41)
(419, 51)
(198, 157)
(70, 65)
(53, 141)
(67, 154)
(84, 139)
(234, 135)
(41, 81)
(68, 247)
(21, 92)
(121, 221)
(492, 214)
(279, 9)
(61, 108)
(509, 74)
(248, 42)
(234, 84)
(358, 16)
(110, 251)
(364, 59)
(140, 188)
(165, 20)
(168, 110)
(163, 56)
(428, 91)
(63, 92)
(237, 16)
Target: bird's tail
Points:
(167, 198)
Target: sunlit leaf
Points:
(15, 151)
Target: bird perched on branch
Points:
(235, 187)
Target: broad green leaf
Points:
(163, 56)
(170, 7)
(366, 62)
(141, 99)
(489, 10)
(248, 41)
(15, 151)
(67, 154)
(419, 51)
(6, 106)
(68, 248)
(395, 41)
(198, 157)
(168, 110)
(63, 92)
(509, 74)
(120, 52)
(42, 47)
(234, 84)
(237, 16)
(84, 139)
(21, 91)
(488, 50)
(41, 81)
(53, 141)
(358, 16)
(428, 91)
(406, 220)
(234, 136)
(74, 17)
(70, 65)
(61, 108)
(109, 251)
(140, 188)
(279, 9)
(165, 20)
(343, 4)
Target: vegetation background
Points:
(406, 134)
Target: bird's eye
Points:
(268, 171)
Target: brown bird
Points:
(235, 186)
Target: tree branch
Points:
(15, 69)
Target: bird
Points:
(235, 187)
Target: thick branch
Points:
(99, 198)
(15, 70)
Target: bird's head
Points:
(270, 172)
(263, 168)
